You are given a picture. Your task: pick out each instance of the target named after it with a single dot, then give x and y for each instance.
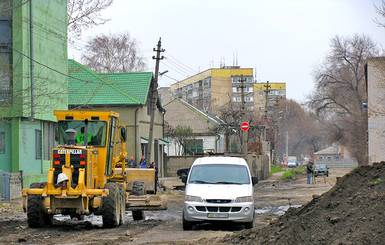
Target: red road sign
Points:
(245, 126)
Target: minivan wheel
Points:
(249, 225)
(187, 225)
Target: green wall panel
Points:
(6, 157)
(27, 149)
(28, 179)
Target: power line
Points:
(181, 62)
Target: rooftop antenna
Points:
(234, 59)
(236, 63)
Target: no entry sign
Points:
(245, 126)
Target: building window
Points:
(49, 139)
(5, 53)
(237, 99)
(195, 146)
(249, 98)
(260, 93)
(260, 101)
(261, 109)
(207, 82)
(2, 142)
(38, 144)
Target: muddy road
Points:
(272, 198)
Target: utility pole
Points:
(244, 133)
(267, 86)
(154, 98)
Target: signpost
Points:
(245, 126)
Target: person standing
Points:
(131, 163)
(309, 170)
(143, 162)
(154, 165)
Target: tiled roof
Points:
(88, 87)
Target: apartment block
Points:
(276, 90)
(213, 88)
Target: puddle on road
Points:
(275, 211)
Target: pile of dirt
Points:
(352, 212)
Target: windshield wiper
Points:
(227, 182)
(200, 182)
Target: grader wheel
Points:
(138, 190)
(123, 204)
(111, 208)
(35, 213)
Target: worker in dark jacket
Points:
(309, 170)
(153, 165)
(131, 163)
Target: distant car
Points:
(321, 169)
(292, 164)
(183, 172)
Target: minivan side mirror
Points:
(254, 180)
(184, 179)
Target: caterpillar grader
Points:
(97, 180)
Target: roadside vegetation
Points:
(275, 169)
(291, 173)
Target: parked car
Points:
(292, 164)
(219, 189)
(183, 172)
(321, 169)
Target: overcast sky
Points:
(283, 40)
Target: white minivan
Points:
(219, 189)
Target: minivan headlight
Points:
(244, 199)
(193, 199)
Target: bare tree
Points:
(84, 14)
(181, 135)
(114, 53)
(380, 9)
(341, 91)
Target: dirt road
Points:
(273, 197)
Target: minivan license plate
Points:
(217, 215)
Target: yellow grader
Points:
(98, 180)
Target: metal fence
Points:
(5, 189)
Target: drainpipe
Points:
(136, 133)
(31, 60)
(216, 143)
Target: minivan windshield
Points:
(219, 174)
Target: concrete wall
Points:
(338, 163)
(258, 165)
(376, 108)
(173, 163)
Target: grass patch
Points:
(275, 169)
(287, 175)
(291, 173)
(378, 181)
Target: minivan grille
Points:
(218, 209)
(218, 200)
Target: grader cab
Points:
(91, 147)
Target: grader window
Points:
(97, 132)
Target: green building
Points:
(33, 83)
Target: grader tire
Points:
(123, 204)
(138, 190)
(111, 209)
(35, 213)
